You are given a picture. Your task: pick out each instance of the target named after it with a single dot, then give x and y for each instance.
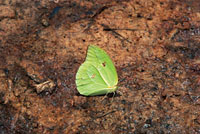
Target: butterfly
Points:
(97, 75)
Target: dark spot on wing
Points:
(104, 64)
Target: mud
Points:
(155, 46)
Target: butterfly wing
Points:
(97, 75)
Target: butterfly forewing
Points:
(104, 64)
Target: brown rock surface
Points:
(154, 45)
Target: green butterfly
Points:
(97, 75)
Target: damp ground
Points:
(154, 44)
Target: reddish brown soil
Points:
(154, 44)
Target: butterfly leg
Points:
(104, 97)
